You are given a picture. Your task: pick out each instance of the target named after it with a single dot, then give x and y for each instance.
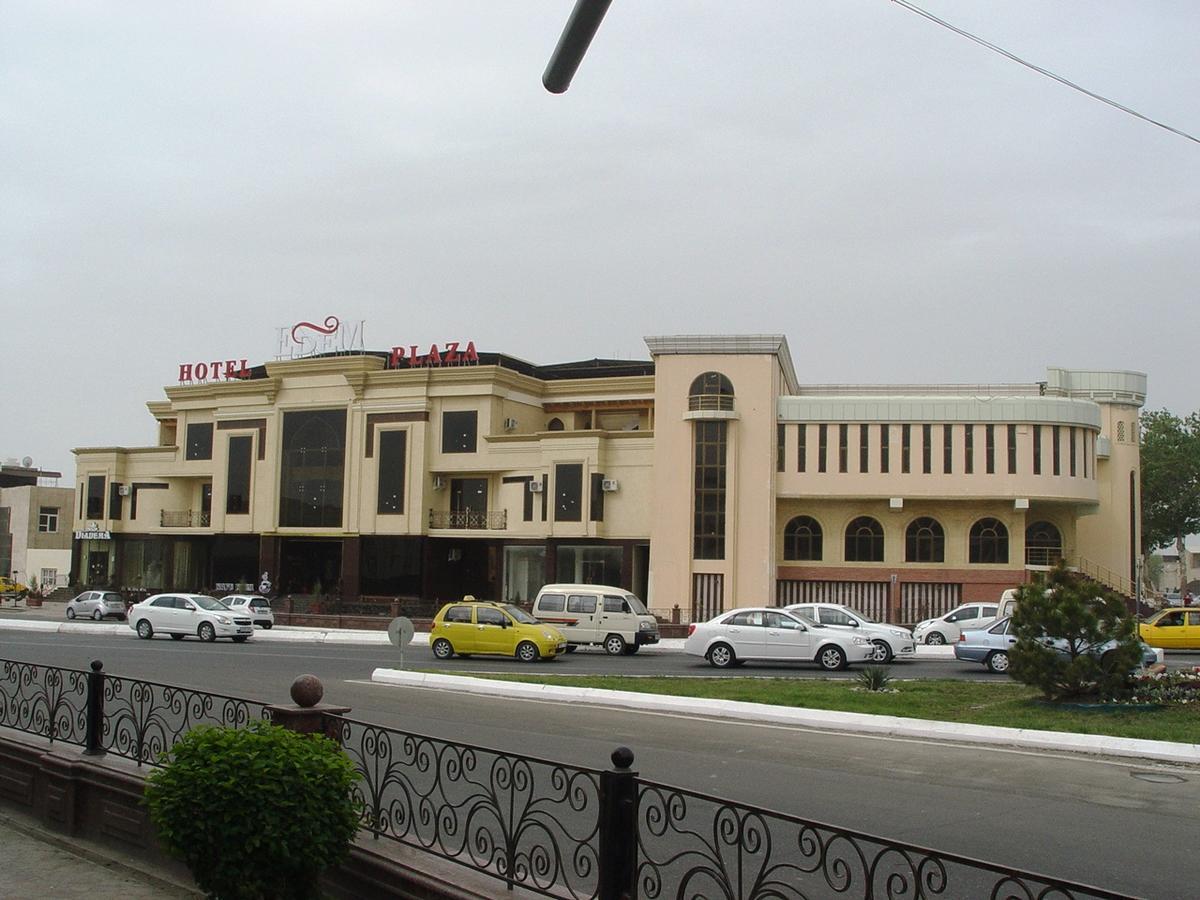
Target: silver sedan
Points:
(990, 646)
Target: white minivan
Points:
(597, 614)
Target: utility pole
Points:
(576, 37)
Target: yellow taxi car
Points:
(1175, 628)
(475, 626)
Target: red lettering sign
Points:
(227, 369)
(448, 354)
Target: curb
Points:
(820, 719)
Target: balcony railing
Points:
(184, 518)
(710, 401)
(1043, 556)
(488, 520)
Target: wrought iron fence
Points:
(44, 700)
(184, 518)
(528, 822)
(468, 519)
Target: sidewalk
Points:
(39, 864)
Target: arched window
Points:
(711, 390)
(924, 541)
(989, 542)
(554, 424)
(864, 540)
(802, 539)
(1043, 544)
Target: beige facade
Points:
(352, 479)
(38, 534)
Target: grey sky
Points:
(178, 180)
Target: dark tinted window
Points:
(614, 604)
(237, 490)
(581, 603)
(459, 431)
(552, 603)
(95, 497)
(199, 441)
(164, 603)
(393, 447)
(457, 614)
(568, 492)
(313, 470)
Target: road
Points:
(1096, 821)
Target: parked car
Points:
(1175, 628)
(947, 629)
(11, 590)
(256, 606)
(180, 615)
(774, 635)
(96, 605)
(597, 614)
(474, 626)
(889, 641)
(990, 647)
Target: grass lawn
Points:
(977, 703)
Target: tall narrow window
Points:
(568, 492)
(864, 448)
(925, 541)
(313, 470)
(596, 507)
(114, 500)
(926, 449)
(989, 449)
(864, 540)
(801, 446)
(988, 542)
(95, 497)
(843, 447)
(780, 445)
(199, 441)
(1056, 449)
(1012, 449)
(802, 539)
(905, 448)
(1086, 451)
(1037, 449)
(822, 446)
(237, 475)
(969, 449)
(884, 447)
(393, 460)
(947, 449)
(708, 540)
(1072, 449)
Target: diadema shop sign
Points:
(306, 339)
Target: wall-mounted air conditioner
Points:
(438, 482)
(535, 487)
(510, 424)
(123, 490)
(609, 484)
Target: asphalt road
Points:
(1089, 820)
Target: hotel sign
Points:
(93, 535)
(312, 339)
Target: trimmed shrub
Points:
(256, 812)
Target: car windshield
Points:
(520, 615)
(860, 616)
(804, 620)
(636, 605)
(208, 602)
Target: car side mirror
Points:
(853, 624)
(190, 608)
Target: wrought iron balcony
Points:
(488, 520)
(184, 518)
(1043, 556)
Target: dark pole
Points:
(576, 37)
(94, 737)
(617, 863)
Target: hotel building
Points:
(704, 478)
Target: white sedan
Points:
(773, 635)
(890, 641)
(180, 615)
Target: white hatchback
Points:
(180, 615)
(889, 641)
(770, 634)
(256, 606)
(947, 629)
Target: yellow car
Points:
(10, 588)
(1177, 628)
(474, 626)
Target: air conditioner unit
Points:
(438, 482)
(123, 490)
(609, 484)
(535, 487)
(510, 424)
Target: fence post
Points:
(93, 743)
(618, 828)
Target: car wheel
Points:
(614, 645)
(997, 662)
(145, 630)
(97, 615)
(70, 613)
(442, 649)
(527, 651)
(207, 633)
(240, 638)
(631, 649)
(177, 637)
(882, 652)
(267, 625)
(721, 656)
(831, 658)
(936, 638)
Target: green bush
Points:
(1079, 617)
(874, 679)
(255, 812)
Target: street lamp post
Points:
(576, 37)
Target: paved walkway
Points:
(35, 865)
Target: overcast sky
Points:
(178, 180)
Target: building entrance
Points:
(310, 568)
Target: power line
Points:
(995, 49)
